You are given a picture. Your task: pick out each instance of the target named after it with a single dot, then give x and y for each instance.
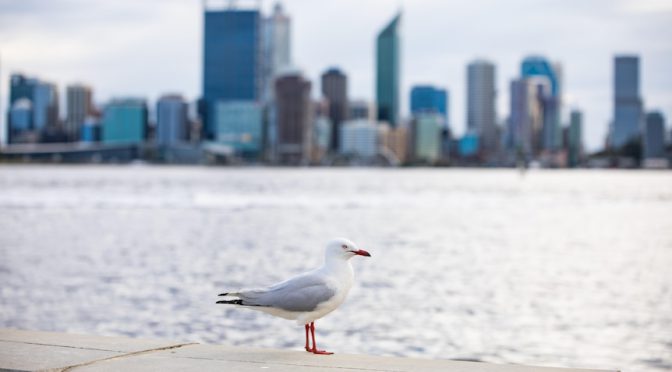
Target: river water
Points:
(554, 268)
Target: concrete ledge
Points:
(35, 351)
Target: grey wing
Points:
(303, 293)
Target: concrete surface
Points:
(33, 351)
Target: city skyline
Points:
(426, 59)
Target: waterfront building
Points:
(293, 119)
(537, 66)
(240, 125)
(172, 123)
(231, 60)
(125, 121)
(335, 90)
(91, 130)
(427, 136)
(359, 138)
(525, 125)
(627, 102)
(388, 68)
(481, 105)
(574, 139)
(427, 98)
(468, 145)
(654, 136)
(79, 105)
(45, 105)
(277, 52)
(20, 113)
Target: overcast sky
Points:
(150, 47)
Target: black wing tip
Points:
(223, 294)
(231, 302)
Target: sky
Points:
(147, 48)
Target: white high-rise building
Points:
(481, 95)
(277, 52)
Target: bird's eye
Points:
(344, 246)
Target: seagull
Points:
(308, 296)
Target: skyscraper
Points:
(481, 94)
(575, 144)
(388, 67)
(20, 118)
(231, 60)
(527, 114)
(294, 118)
(627, 102)
(45, 105)
(277, 52)
(171, 120)
(79, 106)
(427, 98)
(537, 66)
(335, 90)
(654, 136)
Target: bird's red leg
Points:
(315, 350)
(307, 344)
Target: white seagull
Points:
(308, 296)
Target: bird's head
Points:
(344, 249)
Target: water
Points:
(554, 268)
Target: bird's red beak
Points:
(362, 252)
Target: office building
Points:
(91, 129)
(654, 136)
(481, 109)
(277, 52)
(627, 102)
(427, 98)
(232, 65)
(125, 121)
(45, 105)
(293, 119)
(427, 136)
(359, 138)
(388, 69)
(574, 139)
(240, 125)
(540, 67)
(172, 123)
(525, 125)
(335, 90)
(79, 105)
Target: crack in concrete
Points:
(126, 355)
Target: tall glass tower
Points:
(231, 60)
(536, 66)
(481, 95)
(388, 46)
(627, 102)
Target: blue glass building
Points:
(429, 99)
(388, 45)
(125, 121)
(628, 113)
(172, 126)
(231, 61)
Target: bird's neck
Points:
(337, 266)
